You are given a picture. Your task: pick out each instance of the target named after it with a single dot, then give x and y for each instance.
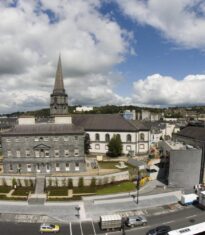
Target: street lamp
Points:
(138, 185)
(78, 211)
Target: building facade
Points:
(195, 136)
(102, 127)
(184, 164)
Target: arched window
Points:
(97, 137)
(129, 138)
(141, 136)
(107, 137)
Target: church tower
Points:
(59, 99)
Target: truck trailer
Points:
(110, 222)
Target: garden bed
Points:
(23, 191)
(5, 189)
(57, 191)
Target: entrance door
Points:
(48, 168)
(38, 170)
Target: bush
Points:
(31, 183)
(93, 182)
(14, 182)
(70, 183)
(81, 182)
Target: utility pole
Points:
(138, 185)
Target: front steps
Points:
(39, 197)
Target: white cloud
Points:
(163, 90)
(31, 37)
(182, 21)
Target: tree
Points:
(87, 144)
(115, 146)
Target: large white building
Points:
(102, 127)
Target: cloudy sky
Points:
(140, 52)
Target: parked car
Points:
(137, 220)
(160, 230)
(48, 228)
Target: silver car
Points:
(138, 220)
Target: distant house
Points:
(83, 109)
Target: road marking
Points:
(70, 229)
(169, 222)
(191, 216)
(93, 227)
(81, 228)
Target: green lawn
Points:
(5, 189)
(57, 191)
(107, 165)
(116, 188)
(22, 191)
(87, 189)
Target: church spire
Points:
(59, 85)
(59, 99)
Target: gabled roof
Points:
(44, 129)
(41, 146)
(103, 122)
(140, 125)
(193, 132)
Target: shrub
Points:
(31, 183)
(70, 183)
(93, 182)
(14, 182)
(81, 182)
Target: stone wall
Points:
(64, 181)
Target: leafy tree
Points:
(87, 144)
(115, 146)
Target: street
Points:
(175, 220)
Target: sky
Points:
(120, 52)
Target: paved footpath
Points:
(90, 207)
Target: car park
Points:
(160, 230)
(138, 220)
(49, 228)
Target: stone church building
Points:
(56, 147)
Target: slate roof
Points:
(44, 129)
(103, 122)
(140, 125)
(193, 132)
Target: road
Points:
(175, 220)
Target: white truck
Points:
(188, 199)
(110, 222)
(202, 199)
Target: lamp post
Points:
(138, 185)
(78, 211)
